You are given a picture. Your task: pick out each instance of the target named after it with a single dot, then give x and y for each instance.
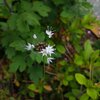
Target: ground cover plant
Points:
(49, 49)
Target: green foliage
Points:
(68, 70)
(80, 79)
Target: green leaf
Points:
(41, 8)
(12, 21)
(31, 18)
(78, 60)
(32, 87)
(10, 52)
(80, 79)
(97, 63)
(18, 62)
(95, 55)
(22, 26)
(39, 57)
(66, 16)
(92, 93)
(14, 67)
(84, 97)
(60, 48)
(87, 50)
(33, 55)
(35, 73)
(18, 45)
(58, 2)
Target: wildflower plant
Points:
(40, 63)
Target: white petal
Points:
(34, 36)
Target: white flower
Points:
(29, 46)
(49, 32)
(49, 60)
(34, 36)
(48, 50)
(44, 52)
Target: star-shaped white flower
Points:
(34, 36)
(29, 46)
(48, 51)
(49, 32)
(49, 60)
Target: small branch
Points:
(50, 73)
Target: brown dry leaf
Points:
(96, 30)
(97, 84)
(16, 82)
(48, 88)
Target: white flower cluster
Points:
(47, 51)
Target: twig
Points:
(50, 73)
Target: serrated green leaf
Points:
(12, 21)
(33, 55)
(60, 48)
(10, 52)
(80, 79)
(41, 8)
(18, 45)
(18, 62)
(22, 26)
(36, 73)
(31, 18)
(92, 93)
(14, 67)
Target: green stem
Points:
(90, 68)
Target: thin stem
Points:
(90, 68)
(7, 5)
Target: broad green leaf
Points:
(60, 48)
(84, 97)
(92, 93)
(32, 87)
(88, 50)
(95, 55)
(41, 8)
(78, 60)
(80, 79)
